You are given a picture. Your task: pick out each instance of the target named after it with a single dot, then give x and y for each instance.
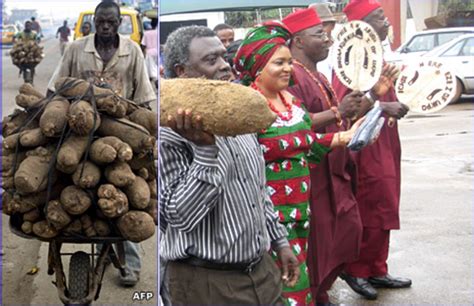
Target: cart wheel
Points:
(79, 268)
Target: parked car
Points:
(8, 31)
(458, 54)
(425, 41)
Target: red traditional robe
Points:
(378, 165)
(335, 229)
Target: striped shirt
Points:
(213, 203)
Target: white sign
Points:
(426, 86)
(358, 60)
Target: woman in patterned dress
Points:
(290, 146)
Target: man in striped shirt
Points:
(218, 222)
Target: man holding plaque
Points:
(335, 228)
(378, 184)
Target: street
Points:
(434, 246)
(21, 255)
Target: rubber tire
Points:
(459, 90)
(79, 269)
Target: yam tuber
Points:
(28, 101)
(113, 105)
(152, 209)
(88, 226)
(138, 193)
(8, 162)
(75, 227)
(7, 202)
(87, 175)
(74, 200)
(32, 216)
(33, 138)
(28, 89)
(27, 227)
(11, 142)
(12, 123)
(32, 173)
(112, 201)
(44, 230)
(54, 117)
(70, 153)
(146, 118)
(108, 149)
(56, 215)
(136, 226)
(120, 174)
(138, 163)
(78, 88)
(226, 109)
(102, 228)
(133, 134)
(82, 118)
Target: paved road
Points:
(20, 255)
(434, 246)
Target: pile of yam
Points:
(226, 109)
(80, 163)
(26, 53)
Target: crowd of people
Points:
(275, 217)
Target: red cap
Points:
(301, 20)
(359, 9)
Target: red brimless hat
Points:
(359, 9)
(301, 20)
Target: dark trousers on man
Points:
(194, 285)
(373, 256)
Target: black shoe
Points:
(361, 286)
(389, 281)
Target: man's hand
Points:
(184, 125)
(289, 266)
(350, 104)
(387, 78)
(394, 109)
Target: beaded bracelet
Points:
(338, 115)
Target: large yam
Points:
(57, 216)
(12, 123)
(120, 174)
(136, 226)
(112, 201)
(73, 88)
(28, 101)
(227, 109)
(75, 201)
(28, 89)
(138, 193)
(108, 149)
(32, 174)
(87, 175)
(82, 118)
(54, 117)
(133, 134)
(44, 230)
(33, 138)
(146, 118)
(70, 153)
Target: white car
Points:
(458, 54)
(425, 41)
